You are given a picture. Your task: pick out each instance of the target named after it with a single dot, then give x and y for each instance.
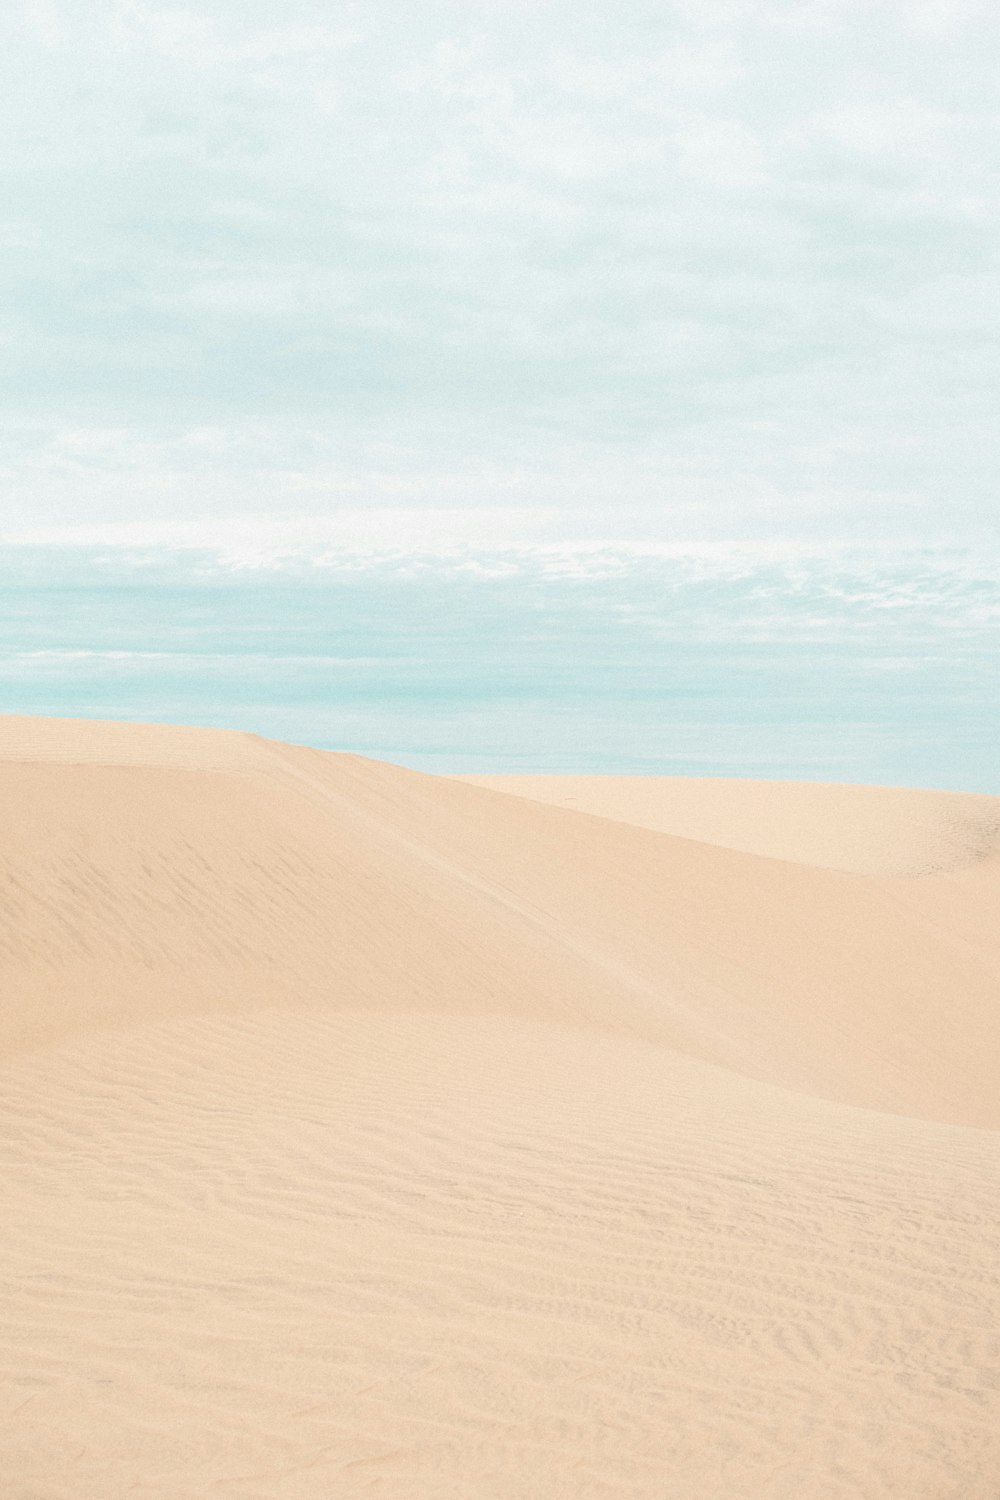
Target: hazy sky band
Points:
(815, 665)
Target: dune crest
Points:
(373, 1132)
(871, 830)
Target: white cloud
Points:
(205, 42)
(42, 16)
(888, 126)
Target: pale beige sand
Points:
(370, 1133)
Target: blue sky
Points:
(672, 326)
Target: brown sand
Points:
(371, 1133)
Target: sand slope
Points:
(366, 1132)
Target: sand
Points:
(371, 1133)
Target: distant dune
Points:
(366, 1132)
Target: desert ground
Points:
(372, 1133)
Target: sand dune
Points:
(366, 1132)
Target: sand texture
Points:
(369, 1133)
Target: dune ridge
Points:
(873, 830)
(373, 1132)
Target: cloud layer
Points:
(715, 269)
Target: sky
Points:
(517, 386)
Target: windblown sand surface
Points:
(373, 1133)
